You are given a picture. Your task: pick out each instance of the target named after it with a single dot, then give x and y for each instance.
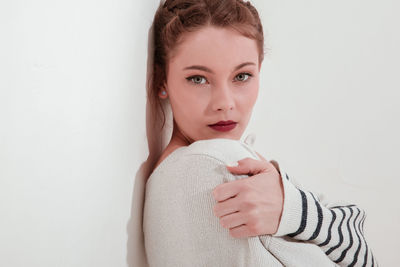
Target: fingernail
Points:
(233, 164)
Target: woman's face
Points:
(213, 76)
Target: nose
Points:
(223, 98)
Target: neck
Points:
(179, 138)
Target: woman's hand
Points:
(250, 206)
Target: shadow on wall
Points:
(157, 141)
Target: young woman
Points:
(200, 212)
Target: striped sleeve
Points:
(337, 229)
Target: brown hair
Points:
(175, 17)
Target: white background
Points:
(73, 119)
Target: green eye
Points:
(196, 79)
(241, 77)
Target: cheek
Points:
(188, 102)
(249, 95)
(190, 108)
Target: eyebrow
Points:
(203, 68)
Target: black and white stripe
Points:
(338, 230)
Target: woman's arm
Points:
(180, 228)
(337, 229)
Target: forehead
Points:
(214, 47)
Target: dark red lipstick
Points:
(223, 126)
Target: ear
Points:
(163, 89)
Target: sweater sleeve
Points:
(180, 227)
(338, 229)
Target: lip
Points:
(223, 126)
(223, 123)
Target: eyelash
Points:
(194, 76)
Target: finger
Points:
(232, 220)
(276, 165)
(227, 190)
(226, 207)
(240, 231)
(249, 166)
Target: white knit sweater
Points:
(180, 228)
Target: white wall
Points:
(330, 105)
(73, 127)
